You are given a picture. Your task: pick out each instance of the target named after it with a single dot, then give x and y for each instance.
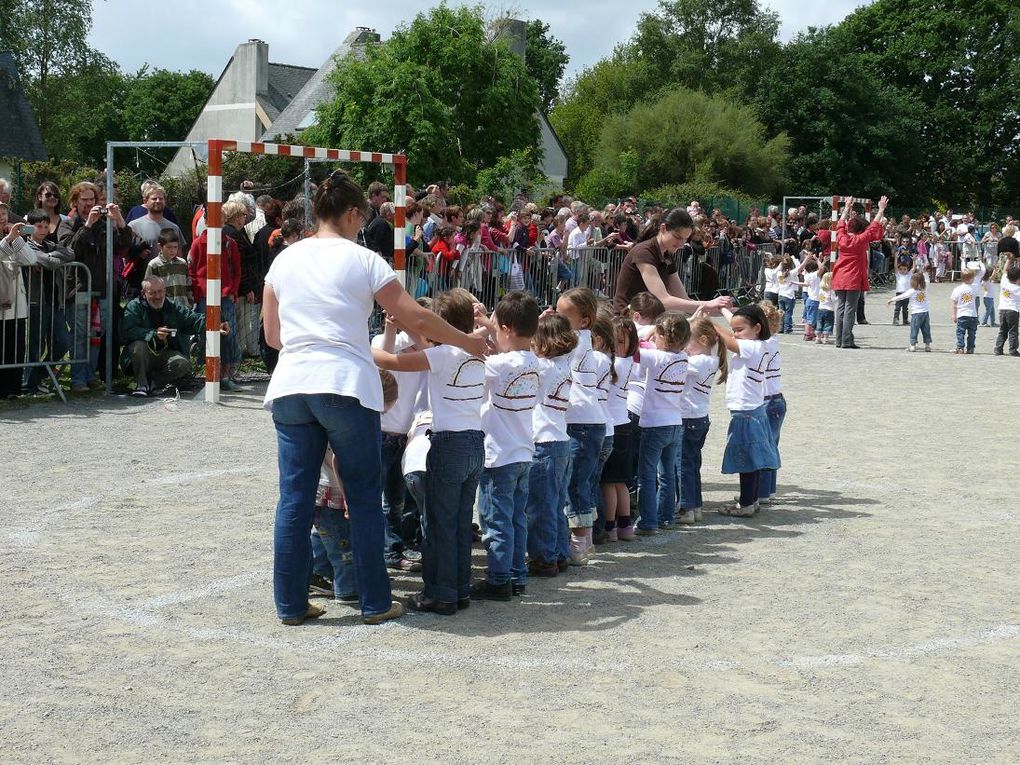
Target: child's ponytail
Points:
(602, 330)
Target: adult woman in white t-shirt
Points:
(318, 297)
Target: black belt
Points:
(773, 396)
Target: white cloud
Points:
(203, 35)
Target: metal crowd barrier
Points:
(49, 323)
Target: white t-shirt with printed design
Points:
(515, 385)
(549, 419)
(456, 388)
(826, 299)
(417, 450)
(605, 387)
(918, 300)
(773, 367)
(636, 391)
(586, 371)
(814, 285)
(772, 280)
(965, 300)
(665, 378)
(745, 384)
(1009, 295)
(787, 284)
(701, 372)
(618, 392)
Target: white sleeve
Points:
(379, 272)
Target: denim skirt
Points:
(749, 446)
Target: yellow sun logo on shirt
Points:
(1005, 293)
(967, 298)
(920, 297)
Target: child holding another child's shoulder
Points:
(706, 356)
(515, 381)
(749, 447)
(665, 370)
(775, 402)
(920, 321)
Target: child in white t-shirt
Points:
(749, 447)
(812, 282)
(548, 534)
(604, 344)
(775, 402)
(1009, 307)
(515, 382)
(988, 291)
(902, 285)
(965, 312)
(645, 310)
(456, 387)
(920, 321)
(618, 471)
(665, 370)
(826, 308)
(771, 271)
(706, 356)
(586, 420)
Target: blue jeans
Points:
(585, 446)
(695, 431)
(786, 306)
(415, 483)
(775, 410)
(989, 317)
(600, 501)
(966, 325)
(810, 312)
(826, 320)
(394, 490)
(305, 423)
(453, 468)
(920, 322)
(547, 491)
(332, 552)
(504, 511)
(48, 339)
(657, 460)
(230, 350)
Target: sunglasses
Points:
(50, 195)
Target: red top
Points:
(851, 269)
(230, 267)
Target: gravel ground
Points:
(871, 616)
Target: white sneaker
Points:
(686, 518)
(737, 511)
(911, 348)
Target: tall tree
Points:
(546, 59)
(440, 89)
(161, 105)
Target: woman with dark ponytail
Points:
(651, 266)
(319, 295)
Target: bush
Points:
(733, 204)
(28, 175)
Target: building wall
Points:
(232, 109)
(554, 159)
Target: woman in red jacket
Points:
(850, 272)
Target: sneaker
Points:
(229, 385)
(698, 513)
(958, 350)
(686, 518)
(911, 348)
(998, 353)
(927, 347)
(313, 612)
(612, 536)
(737, 511)
(395, 612)
(1014, 353)
(895, 322)
(426, 605)
(485, 590)
(666, 525)
(645, 532)
(320, 585)
(625, 533)
(140, 392)
(518, 590)
(819, 340)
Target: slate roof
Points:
(285, 82)
(19, 133)
(317, 89)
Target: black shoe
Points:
(320, 585)
(864, 321)
(599, 537)
(485, 590)
(563, 564)
(998, 353)
(166, 390)
(463, 603)
(141, 391)
(518, 590)
(424, 604)
(852, 346)
(1014, 353)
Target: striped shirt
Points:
(175, 274)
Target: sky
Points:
(190, 34)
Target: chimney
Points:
(515, 32)
(255, 54)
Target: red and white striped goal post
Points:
(214, 224)
(836, 201)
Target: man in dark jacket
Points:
(379, 233)
(153, 332)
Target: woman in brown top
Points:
(651, 266)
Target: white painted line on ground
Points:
(212, 588)
(32, 535)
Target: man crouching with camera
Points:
(153, 332)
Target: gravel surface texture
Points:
(871, 616)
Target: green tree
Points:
(851, 131)
(546, 58)
(608, 87)
(961, 59)
(687, 136)
(161, 105)
(84, 110)
(706, 44)
(438, 89)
